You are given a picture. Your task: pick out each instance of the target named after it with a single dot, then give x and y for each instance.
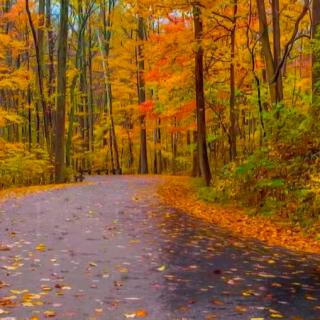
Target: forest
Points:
(160, 159)
(225, 90)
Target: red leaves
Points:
(146, 107)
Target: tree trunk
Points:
(200, 102)
(157, 161)
(107, 23)
(277, 46)
(233, 129)
(51, 62)
(40, 77)
(90, 92)
(61, 93)
(143, 163)
(316, 53)
(266, 48)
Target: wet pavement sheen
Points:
(113, 251)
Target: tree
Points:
(61, 93)
(200, 101)
(143, 162)
(315, 56)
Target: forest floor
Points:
(113, 249)
(181, 193)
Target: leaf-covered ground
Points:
(276, 231)
(112, 250)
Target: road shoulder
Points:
(180, 194)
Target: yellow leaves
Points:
(14, 80)
(123, 270)
(41, 247)
(92, 264)
(49, 313)
(162, 268)
(276, 315)
(15, 265)
(18, 292)
(137, 314)
(248, 293)
(7, 117)
(31, 300)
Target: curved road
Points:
(113, 251)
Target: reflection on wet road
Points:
(113, 251)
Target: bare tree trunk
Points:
(40, 76)
(200, 102)
(266, 48)
(51, 62)
(90, 93)
(277, 45)
(61, 93)
(316, 53)
(107, 34)
(233, 129)
(143, 162)
(157, 165)
(195, 157)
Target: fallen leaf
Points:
(41, 247)
(162, 268)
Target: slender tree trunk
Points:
(195, 157)
(316, 53)
(277, 46)
(233, 129)
(266, 48)
(143, 167)
(50, 63)
(71, 121)
(40, 76)
(90, 92)
(157, 165)
(61, 93)
(107, 34)
(200, 102)
(174, 147)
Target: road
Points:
(112, 250)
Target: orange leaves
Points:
(181, 195)
(137, 314)
(146, 107)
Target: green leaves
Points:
(271, 183)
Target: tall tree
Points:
(61, 93)
(40, 74)
(316, 55)
(233, 129)
(277, 46)
(143, 162)
(200, 101)
(266, 48)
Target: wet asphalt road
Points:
(113, 251)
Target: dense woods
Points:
(226, 90)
